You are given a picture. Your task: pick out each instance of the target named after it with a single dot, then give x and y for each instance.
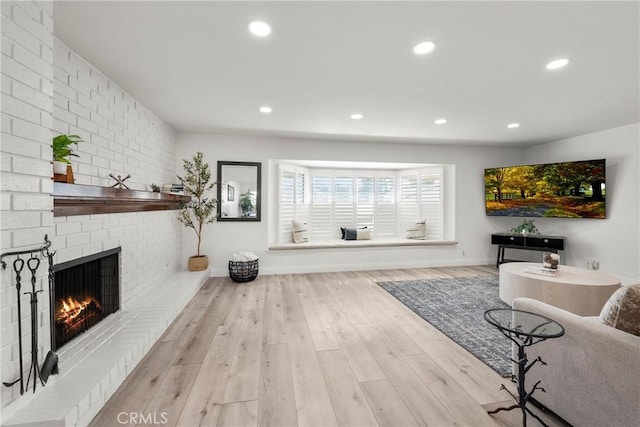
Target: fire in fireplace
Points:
(86, 290)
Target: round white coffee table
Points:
(580, 291)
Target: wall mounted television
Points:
(552, 190)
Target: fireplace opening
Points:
(86, 290)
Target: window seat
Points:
(339, 244)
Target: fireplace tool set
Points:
(50, 365)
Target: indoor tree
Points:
(200, 210)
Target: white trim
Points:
(332, 268)
(341, 244)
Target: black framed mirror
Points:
(239, 191)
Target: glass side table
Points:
(524, 329)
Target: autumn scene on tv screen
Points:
(565, 190)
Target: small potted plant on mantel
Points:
(62, 151)
(200, 210)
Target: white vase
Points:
(59, 167)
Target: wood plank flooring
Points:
(321, 349)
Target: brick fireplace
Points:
(50, 90)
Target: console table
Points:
(529, 242)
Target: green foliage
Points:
(200, 210)
(62, 147)
(155, 187)
(247, 202)
(526, 227)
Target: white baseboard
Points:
(328, 268)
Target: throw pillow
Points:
(418, 230)
(300, 231)
(360, 233)
(363, 234)
(622, 310)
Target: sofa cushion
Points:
(622, 311)
(300, 231)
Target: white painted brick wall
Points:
(25, 210)
(121, 137)
(47, 89)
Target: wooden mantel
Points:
(76, 199)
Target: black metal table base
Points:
(523, 367)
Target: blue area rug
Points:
(456, 306)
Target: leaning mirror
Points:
(239, 191)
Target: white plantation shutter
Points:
(408, 207)
(321, 208)
(287, 208)
(293, 203)
(431, 203)
(385, 215)
(343, 209)
(365, 201)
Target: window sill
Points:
(339, 244)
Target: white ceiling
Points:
(196, 66)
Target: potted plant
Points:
(526, 227)
(247, 202)
(62, 151)
(155, 187)
(200, 210)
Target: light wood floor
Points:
(309, 350)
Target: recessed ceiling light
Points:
(513, 125)
(265, 109)
(423, 48)
(259, 28)
(558, 63)
(357, 116)
(440, 121)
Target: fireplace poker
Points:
(32, 264)
(50, 364)
(18, 265)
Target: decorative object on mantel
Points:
(200, 210)
(155, 187)
(526, 227)
(120, 181)
(61, 148)
(50, 365)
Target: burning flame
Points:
(72, 308)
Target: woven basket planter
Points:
(243, 271)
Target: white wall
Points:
(121, 137)
(472, 231)
(614, 241)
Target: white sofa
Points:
(592, 377)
